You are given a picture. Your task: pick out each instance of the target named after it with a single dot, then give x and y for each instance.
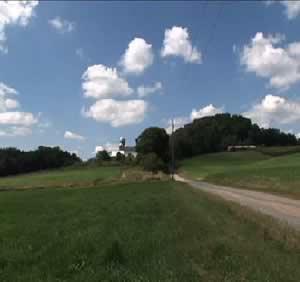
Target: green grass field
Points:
(259, 170)
(154, 231)
(68, 177)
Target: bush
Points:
(102, 156)
(151, 162)
(120, 157)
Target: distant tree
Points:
(102, 156)
(216, 133)
(120, 157)
(151, 162)
(154, 140)
(14, 161)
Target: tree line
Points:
(204, 135)
(216, 133)
(208, 135)
(14, 161)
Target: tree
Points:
(102, 156)
(154, 140)
(120, 157)
(151, 162)
(216, 133)
(14, 161)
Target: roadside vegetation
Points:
(258, 170)
(150, 231)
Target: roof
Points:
(129, 149)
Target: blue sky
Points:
(82, 74)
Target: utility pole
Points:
(172, 151)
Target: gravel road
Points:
(281, 208)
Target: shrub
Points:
(102, 156)
(151, 162)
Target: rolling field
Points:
(154, 231)
(259, 170)
(68, 177)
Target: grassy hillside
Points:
(258, 170)
(155, 231)
(68, 177)
(279, 151)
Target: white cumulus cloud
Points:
(11, 103)
(179, 122)
(15, 131)
(292, 8)
(62, 25)
(117, 113)
(18, 118)
(7, 103)
(177, 43)
(138, 56)
(104, 82)
(274, 111)
(281, 65)
(6, 90)
(72, 135)
(14, 13)
(209, 110)
(144, 91)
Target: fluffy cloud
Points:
(177, 43)
(11, 104)
(61, 25)
(14, 13)
(13, 118)
(209, 110)
(179, 122)
(138, 56)
(298, 135)
(117, 113)
(72, 135)
(292, 8)
(17, 118)
(273, 111)
(7, 103)
(15, 131)
(104, 82)
(144, 91)
(280, 65)
(6, 90)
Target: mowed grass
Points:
(67, 177)
(259, 170)
(155, 231)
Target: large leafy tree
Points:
(102, 156)
(154, 140)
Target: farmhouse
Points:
(114, 149)
(126, 151)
